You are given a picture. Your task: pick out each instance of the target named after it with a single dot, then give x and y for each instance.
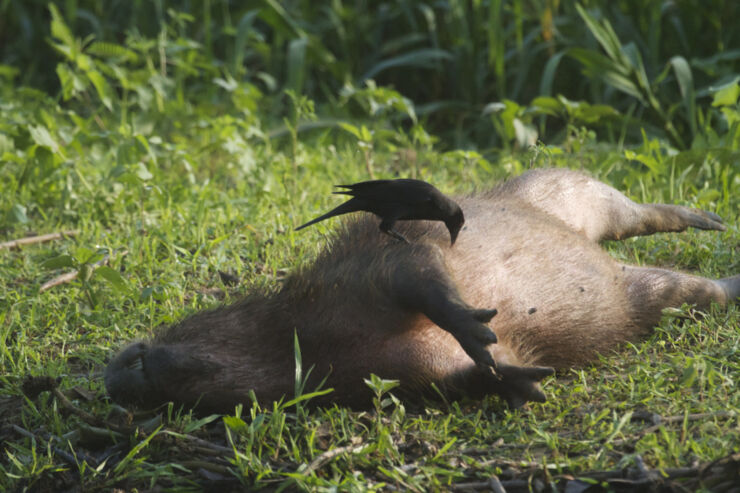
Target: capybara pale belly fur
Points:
(525, 289)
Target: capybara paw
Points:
(697, 218)
(520, 384)
(484, 316)
(474, 336)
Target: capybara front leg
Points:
(421, 283)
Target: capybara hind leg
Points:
(599, 211)
(646, 219)
(651, 289)
(420, 283)
(731, 285)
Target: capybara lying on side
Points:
(419, 312)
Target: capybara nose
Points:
(126, 379)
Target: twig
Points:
(64, 455)
(322, 459)
(63, 279)
(208, 466)
(697, 416)
(85, 416)
(71, 276)
(496, 485)
(490, 485)
(199, 441)
(30, 240)
(663, 420)
(79, 454)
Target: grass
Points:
(182, 222)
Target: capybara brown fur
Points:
(423, 312)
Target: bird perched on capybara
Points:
(394, 200)
(418, 312)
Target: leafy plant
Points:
(87, 264)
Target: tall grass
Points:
(450, 58)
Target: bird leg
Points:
(386, 226)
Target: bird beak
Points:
(455, 225)
(453, 235)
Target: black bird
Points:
(394, 200)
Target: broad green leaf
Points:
(85, 255)
(111, 50)
(496, 107)
(686, 85)
(113, 277)
(19, 213)
(101, 87)
(526, 134)
(547, 105)
(365, 134)
(235, 424)
(59, 28)
(42, 137)
(72, 84)
(683, 75)
(8, 72)
(727, 96)
(348, 127)
(59, 262)
(296, 64)
(143, 173)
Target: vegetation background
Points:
(182, 141)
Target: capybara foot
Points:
(731, 285)
(699, 219)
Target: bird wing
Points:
(402, 191)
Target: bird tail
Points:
(344, 208)
(349, 189)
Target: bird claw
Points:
(395, 234)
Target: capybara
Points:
(419, 312)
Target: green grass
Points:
(186, 207)
(179, 167)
